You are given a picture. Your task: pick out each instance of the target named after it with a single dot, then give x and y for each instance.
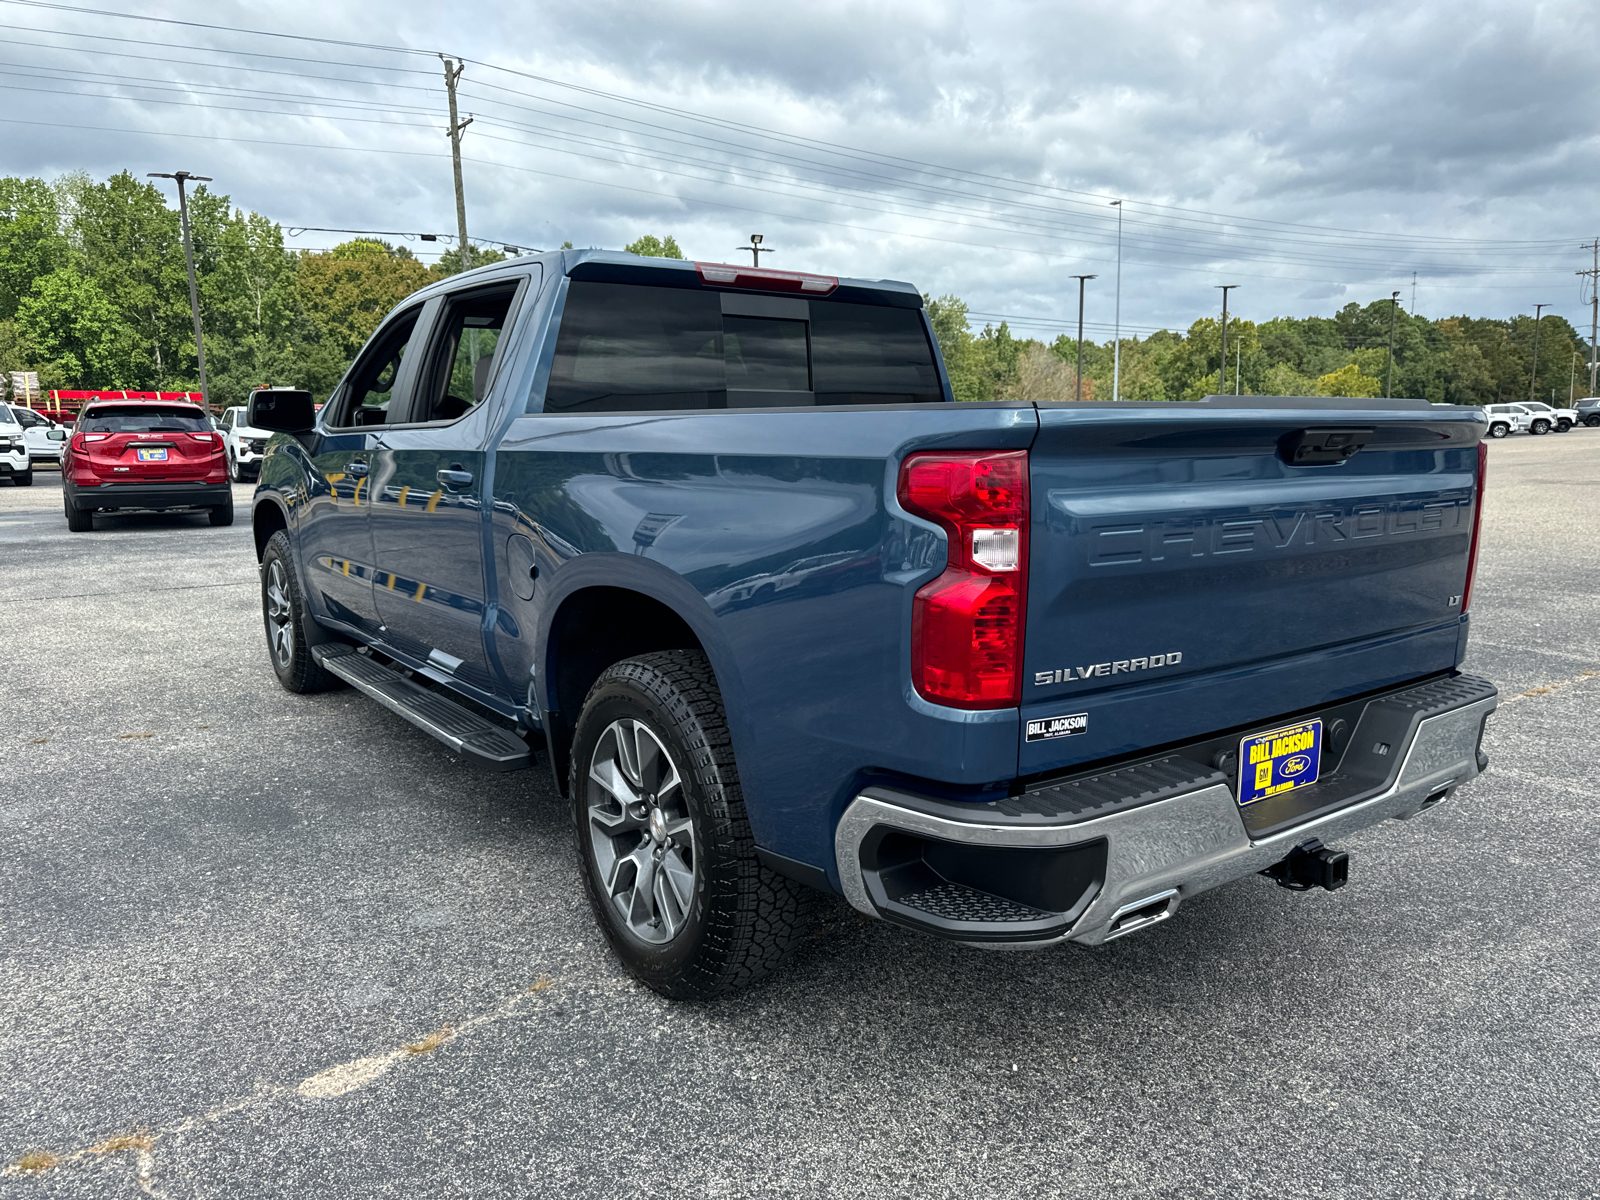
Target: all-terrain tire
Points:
(288, 652)
(743, 918)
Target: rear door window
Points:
(466, 343)
(627, 347)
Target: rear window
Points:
(625, 347)
(143, 418)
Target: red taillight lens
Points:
(1477, 524)
(765, 279)
(966, 626)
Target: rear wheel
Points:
(1540, 426)
(284, 614)
(1499, 429)
(1592, 422)
(663, 837)
(79, 520)
(222, 514)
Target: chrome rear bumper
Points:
(1159, 853)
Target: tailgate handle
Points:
(1322, 447)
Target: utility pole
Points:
(1413, 309)
(1222, 374)
(756, 248)
(452, 72)
(1394, 301)
(188, 258)
(1594, 311)
(1238, 364)
(1077, 367)
(1538, 315)
(1116, 335)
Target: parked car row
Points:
(1534, 416)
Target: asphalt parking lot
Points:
(226, 912)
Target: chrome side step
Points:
(477, 740)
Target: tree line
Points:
(1452, 360)
(94, 294)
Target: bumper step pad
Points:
(476, 739)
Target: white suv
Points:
(244, 445)
(1509, 418)
(1546, 418)
(43, 436)
(14, 462)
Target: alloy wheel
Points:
(640, 831)
(280, 615)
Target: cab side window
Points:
(370, 395)
(466, 345)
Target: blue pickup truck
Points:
(786, 619)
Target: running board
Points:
(478, 741)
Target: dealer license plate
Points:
(1281, 761)
(158, 454)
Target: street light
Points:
(1078, 367)
(1222, 371)
(188, 258)
(1538, 315)
(1116, 336)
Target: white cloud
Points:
(1436, 120)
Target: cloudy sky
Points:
(1311, 153)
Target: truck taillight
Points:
(765, 279)
(1477, 524)
(966, 626)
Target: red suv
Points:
(144, 454)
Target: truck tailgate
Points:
(1191, 573)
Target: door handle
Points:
(454, 477)
(357, 467)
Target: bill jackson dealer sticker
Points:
(1054, 727)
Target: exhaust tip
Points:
(1142, 914)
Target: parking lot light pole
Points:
(1533, 377)
(1077, 367)
(188, 258)
(1222, 371)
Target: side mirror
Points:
(56, 435)
(281, 411)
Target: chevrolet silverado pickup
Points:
(785, 618)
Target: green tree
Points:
(650, 246)
(67, 322)
(350, 289)
(32, 241)
(1348, 381)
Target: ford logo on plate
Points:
(1298, 765)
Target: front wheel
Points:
(283, 611)
(1592, 422)
(233, 470)
(663, 837)
(1499, 429)
(1563, 426)
(24, 478)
